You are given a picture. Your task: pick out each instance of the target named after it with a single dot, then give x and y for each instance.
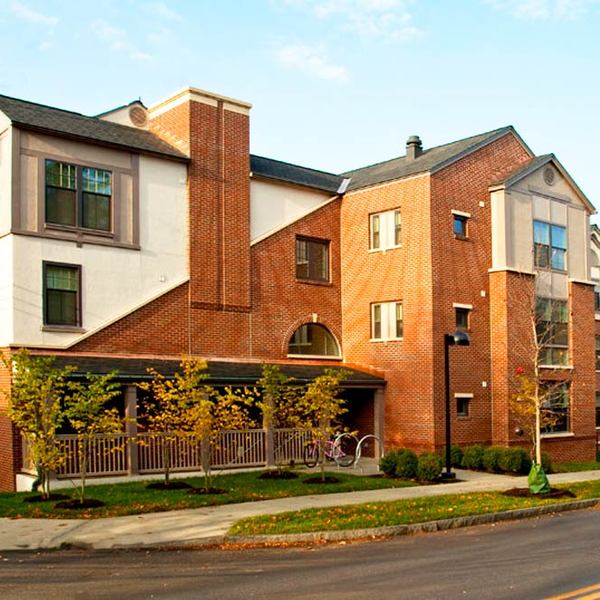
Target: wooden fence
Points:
(110, 455)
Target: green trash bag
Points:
(538, 480)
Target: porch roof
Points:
(220, 372)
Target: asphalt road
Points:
(530, 559)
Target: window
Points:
(597, 298)
(598, 353)
(314, 340)
(463, 404)
(78, 196)
(552, 328)
(387, 321)
(556, 409)
(598, 409)
(459, 225)
(62, 299)
(312, 259)
(385, 230)
(549, 246)
(462, 317)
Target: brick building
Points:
(142, 234)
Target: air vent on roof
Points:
(138, 116)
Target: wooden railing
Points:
(121, 455)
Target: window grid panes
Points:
(549, 246)
(552, 329)
(61, 295)
(78, 196)
(314, 340)
(385, 230)
(312, 259)
(387, 321)
(556, 408)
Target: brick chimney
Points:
(214, 131)
(414, 148)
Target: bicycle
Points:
(336, 450)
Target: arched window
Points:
(314, 340)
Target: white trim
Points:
(597, 317)
(563, 367)
(463, 395)
(460, 213)
(319, 356)
(558, 434)
(511, 270)
(583, 281)
(465, 306)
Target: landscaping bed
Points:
(403, 512)
(135, 497)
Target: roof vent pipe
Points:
(414, 147)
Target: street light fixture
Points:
(458, 338)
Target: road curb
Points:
(398, 530)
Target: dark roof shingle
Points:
(282, 171)
(46, 119)
(224, 372)
(430, 160)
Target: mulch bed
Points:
(525, 493)
(278, 475)
(51, 498)
(318, 479)
(172, 485)
(207, 491)
(77, 504)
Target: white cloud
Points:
(312, 61)
(27, 13)
(384, 19)
(536, 10)
(160, 9)
(117, 40)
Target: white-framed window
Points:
(462, 316)
(459, 224)
(549, 246)
(387, 321)
(463, 404)
(385, 230)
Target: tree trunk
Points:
(205, 459)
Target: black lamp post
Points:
(458, 338)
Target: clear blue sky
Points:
(335, 84)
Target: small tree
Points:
(278, 402)
(85, 410)
(320, 407)
(211, 412)
(34, 406)
(167, 415)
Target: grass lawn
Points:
(400, 512)
(134, 498)
(576, 466)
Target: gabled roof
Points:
(536, 163)
(55, 121)
(431, 160)
(282, 171)
(220, 372)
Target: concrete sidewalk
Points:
(209, 524)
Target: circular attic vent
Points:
(549, 175)
(138, 116)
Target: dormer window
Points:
(78, 196)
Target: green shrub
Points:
(400, 462)
(491, 459)
(514, 460)
(429, 466)
(387, 463)
(456, 455)
(473, 457)
(597, 455)
(546, 462)
(406, 463)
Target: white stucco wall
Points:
(273, 205)
(513, 212)
(6, 290)
(5, 177)
(114, 280)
